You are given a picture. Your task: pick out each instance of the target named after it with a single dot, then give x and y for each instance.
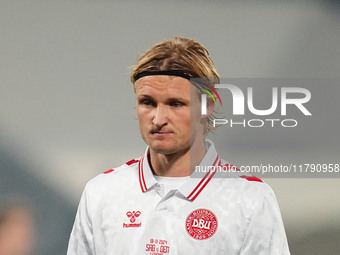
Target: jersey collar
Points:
(146, 178)
(197, 182)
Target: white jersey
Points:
(126, 211)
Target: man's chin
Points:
(162, 150)
(167, 149)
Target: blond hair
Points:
(182, 54)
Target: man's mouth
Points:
(155, 132)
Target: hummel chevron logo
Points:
(132, 215)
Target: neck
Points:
(179, 164)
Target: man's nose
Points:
(160, 116)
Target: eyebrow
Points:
(145, 96)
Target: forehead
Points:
(164, 85)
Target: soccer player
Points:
(154, 205)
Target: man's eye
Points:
(147, 102)
(176, 104)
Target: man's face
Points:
(163, 108)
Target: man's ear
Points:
(210, 109)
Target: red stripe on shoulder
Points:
(251, 178)
(132, 161)
(108, 171)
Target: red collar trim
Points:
(204, 181)
(141, 175)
